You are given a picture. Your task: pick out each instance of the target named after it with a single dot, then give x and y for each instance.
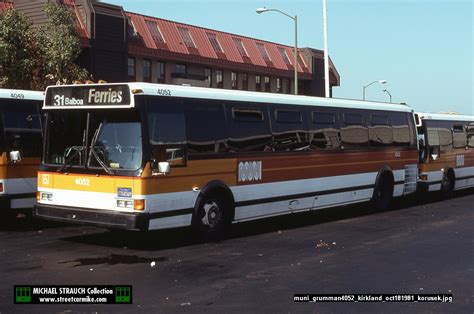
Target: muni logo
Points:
(250, 171)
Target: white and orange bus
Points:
(149, 156)
(446, 151)
(20, 138)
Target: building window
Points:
(263, 52)
(146, 70)
(240, 47)
(245, 81)
(219, 79)
(186, 37)
(181, 69)
(214, 42)
(161, 72)
(234, 78)
(258, 83)
(131, 69)
(155, 31)
(279, 85)
(208, 74)
(266, 80)
(284, 55)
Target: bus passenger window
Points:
(470, 135)
(401, 129)
(380, 131)
(445, 136)
(290, 130)
(206, 128)
(459, 136)
(249, 128)
(324, 131)
(354, 132)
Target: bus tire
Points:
(212, 216)
(383, 192)
(447, 184)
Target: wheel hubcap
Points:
(212, 214)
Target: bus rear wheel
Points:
(447, 185)
(211, 217)
(383, 193)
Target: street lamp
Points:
(390, 95)
(377, 81)
(295, 19)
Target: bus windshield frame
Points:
(94, 141)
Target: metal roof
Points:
(175, 48)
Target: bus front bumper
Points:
(96, 217)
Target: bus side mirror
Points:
(15, 156)
(164, 168)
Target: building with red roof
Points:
(125, 46)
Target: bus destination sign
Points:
(88, 96)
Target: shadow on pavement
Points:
(168, 239)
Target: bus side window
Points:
(445, 136)
(401, 129)
(354, 131)
(289, 129)
(459, 136)
(206, 128)
(470, 135)
(167, 132)
(324, 130)
(380, 130)
(249, 128)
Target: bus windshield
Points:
(95, 139)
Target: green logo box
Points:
(23, 294)
(123, 295)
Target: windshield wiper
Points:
(77, 151)
(94, 153)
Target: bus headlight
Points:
(46, 196)
(125, 204)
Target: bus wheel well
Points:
(220, 189)
(451, 175)
(448, 182)
(383, 189)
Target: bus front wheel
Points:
(211, 217)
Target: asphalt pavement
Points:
(423, 245)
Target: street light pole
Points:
(326, 54)
(295, 19)
(390, 95)
(377, 81)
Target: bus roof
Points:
(444, 116)
(21, 94)
(153, 89)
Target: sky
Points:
(422, 48)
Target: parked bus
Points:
(446, 151)
(20, 138)
(149, 156)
